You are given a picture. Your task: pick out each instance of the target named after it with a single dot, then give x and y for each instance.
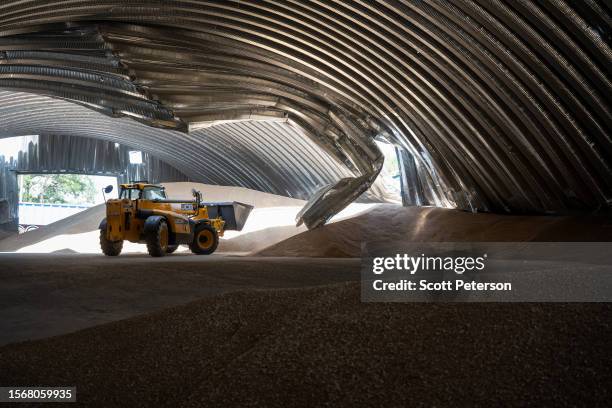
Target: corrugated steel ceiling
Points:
(268, 156)
(504, 104)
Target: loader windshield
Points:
(130, 193)
(153, 193)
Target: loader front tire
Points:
(171, 249)
(110, 248)
(205, 240)
(157, 239)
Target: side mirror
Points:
(106, 190)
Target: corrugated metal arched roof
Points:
(504, 104)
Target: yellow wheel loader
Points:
(144, 214)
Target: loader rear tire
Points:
(205, 240)
(110, 248)
(171, 249)
(157, 239)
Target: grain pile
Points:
(308, 347)
(391, 223)
(78, 224)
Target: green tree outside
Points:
(57, 189)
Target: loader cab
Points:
(142, 191)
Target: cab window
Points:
(153, 193)
(130, 193)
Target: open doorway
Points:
(47, 198)
(390, 175)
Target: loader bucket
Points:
(233, 213)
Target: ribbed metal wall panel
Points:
(50, 153)
(502, 104)
(9, 198)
